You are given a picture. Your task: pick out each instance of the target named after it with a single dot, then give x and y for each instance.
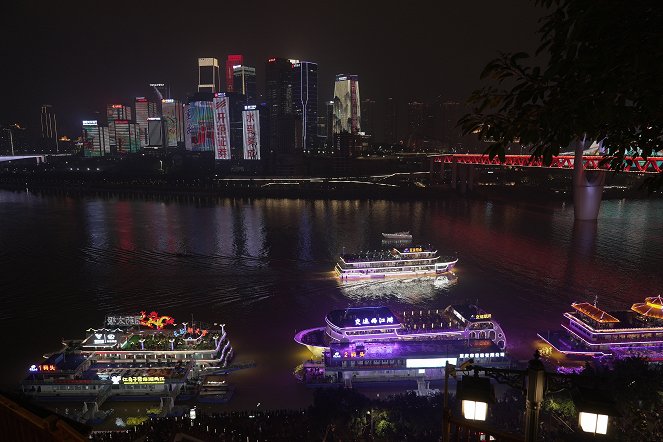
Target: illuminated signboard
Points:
(123, 320)
(430, 363)
(104, 338)
(141, 380)
(349, 354)
(374, 321)
(221, 127)
(413, 250)
(44, 367)
(168, 100)
(153, 320)
(116, 106)
(157, 84)
(482, 316)
(153, 118)
(89, 122)
(251, 134)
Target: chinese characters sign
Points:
(135, 380)
(221, 128)
(374, 321)
(123, 320)
(251, 124)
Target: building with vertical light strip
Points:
(49, 127)
(305, 101)
(231, 62)
(251, 132)
(144, 109)
(347, 112)
(208, 75)
(244, 78)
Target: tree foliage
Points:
(597, 74)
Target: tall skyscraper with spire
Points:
(305, 101)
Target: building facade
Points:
(231, 62)
(244, 79)
(305, 102)
(172, 115)
(347, 110)
(208, 75)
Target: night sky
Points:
(78, 56)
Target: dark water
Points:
(264, 268)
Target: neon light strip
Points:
(590, 353)
(388, 261)
(614, 330)
(611, 343)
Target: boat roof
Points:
(594, 312)
(652, 307)
(348, 317)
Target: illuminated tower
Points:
(231, 62)
(305, 101)
(244, 79)
(208, 75)
(49, 126)
(347, 113)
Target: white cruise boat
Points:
(398, 236)
(401, 263)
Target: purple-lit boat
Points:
(373, 343)
(405, 262)
(592, 332)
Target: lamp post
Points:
(594, 406)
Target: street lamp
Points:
(594, 407)
(475, 393)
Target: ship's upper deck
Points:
(395, 254)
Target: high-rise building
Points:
(208, 75)
(96, 142)
(347, 112)
(416, 115)
(368, 116)
(244, 78)
(251, 132)
(49, 127)
(144, 109)
(200, 122)
(173, 120)
(305, 101)
(157, 133)
(126, 137)
(116, 112)
(391, 122)
(329, 125)
(231, 62)
(278, 92)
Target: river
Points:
(263, 267)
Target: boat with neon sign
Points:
(374, 343)
(131, 357)
(591, 332)
(403, 262)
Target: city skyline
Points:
(68, 61)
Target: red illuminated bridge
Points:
(636, 165)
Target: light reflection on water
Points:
(264, 268)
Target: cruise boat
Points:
(140, 357)
(374, 343)
(589, 331)
(397, 262)
(398, 236)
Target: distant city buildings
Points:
(208, 75)
(368, 116)
(95, 138)
(347, 112)
(144, 109)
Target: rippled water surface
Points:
(264, 268)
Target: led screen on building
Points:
(221, 128)
(200, 127)
(251, 134)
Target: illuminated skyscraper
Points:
(347, 112)
(115, 112)
(208, 75)
(144, 109)
(278, 91)
(200, 122)
(231, 62)
(244, 78)
(96, 142)
(305, 101)
(172, 115)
